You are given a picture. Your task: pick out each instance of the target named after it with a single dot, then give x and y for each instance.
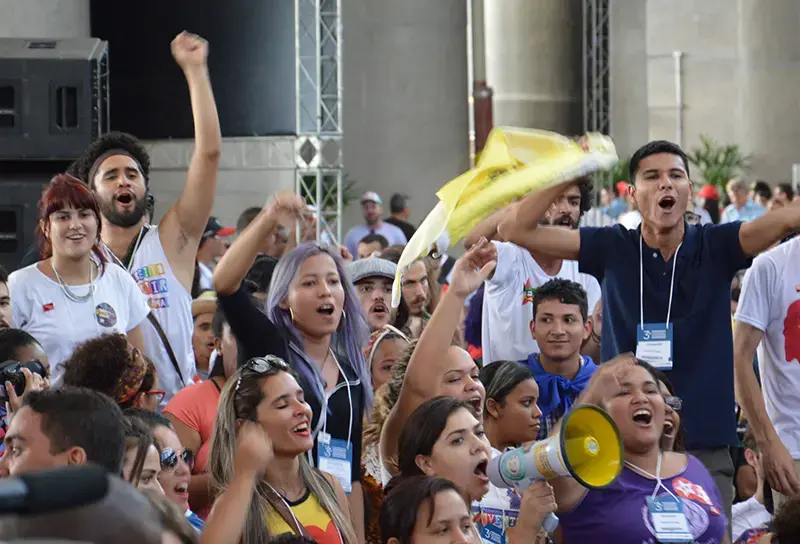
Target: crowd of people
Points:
(253, 385)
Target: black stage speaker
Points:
(19, 196)
(251, 62)
(54, 97)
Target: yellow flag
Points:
(514, 162)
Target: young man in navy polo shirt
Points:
(666, 289)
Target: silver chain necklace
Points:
(68, 292)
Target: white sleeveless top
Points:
(172, 305)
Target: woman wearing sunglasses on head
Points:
(314, 322)
(259, 466)
(111, 365)
(176, 462)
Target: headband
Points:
(132, 378)
(377, 337)
(110, 153)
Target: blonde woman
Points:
(259, 466)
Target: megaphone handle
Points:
(550, 523)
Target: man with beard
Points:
(508, 298)
(161, 258)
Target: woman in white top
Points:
(74, 294)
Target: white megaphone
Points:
(588, 448)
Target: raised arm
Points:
(488, 227)
(762, 233)
(431, 358)
(233, 266)
(521, 227)
(183, 225)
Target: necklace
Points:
(68, 292)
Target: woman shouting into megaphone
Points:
(660, 496)
(436, 425)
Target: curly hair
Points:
(587, 198)
(100, 363)
(109, 142)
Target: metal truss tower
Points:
(318, 149)
(596, 66)
(597, 72)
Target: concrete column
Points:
(533, 63)
(405, 111)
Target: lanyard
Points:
(324, 413)
(641, 283)
(132, 253)
(657, 477)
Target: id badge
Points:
(654, 345)
(335, 457)
(493, 523)
(668, 519)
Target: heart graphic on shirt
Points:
(329, 536)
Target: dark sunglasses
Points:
(169, 458)
(673, 402)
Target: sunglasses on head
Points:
(262, 365)
(169, 458)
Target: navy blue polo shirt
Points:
(702, 371)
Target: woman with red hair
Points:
(74, 293)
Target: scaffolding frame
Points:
(318, 148)
(597, 66)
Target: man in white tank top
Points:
(161, 259)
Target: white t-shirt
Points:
(749, 514)
(770, 302)
(508, 302)
(41, 308)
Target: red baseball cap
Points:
(709, 191)
(622, 187)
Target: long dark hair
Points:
(399, 513)
(423, 428)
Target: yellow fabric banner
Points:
(514, 162)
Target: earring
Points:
(344, 315)
(291, 315)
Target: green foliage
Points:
(716, 163)
(619, 172)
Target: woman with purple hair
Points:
(312, 320)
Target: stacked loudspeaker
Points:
(54, 101)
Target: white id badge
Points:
(654, 345)
(335, 457)
(668, 519)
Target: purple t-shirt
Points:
(618, 514)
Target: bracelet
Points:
(594, 336)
